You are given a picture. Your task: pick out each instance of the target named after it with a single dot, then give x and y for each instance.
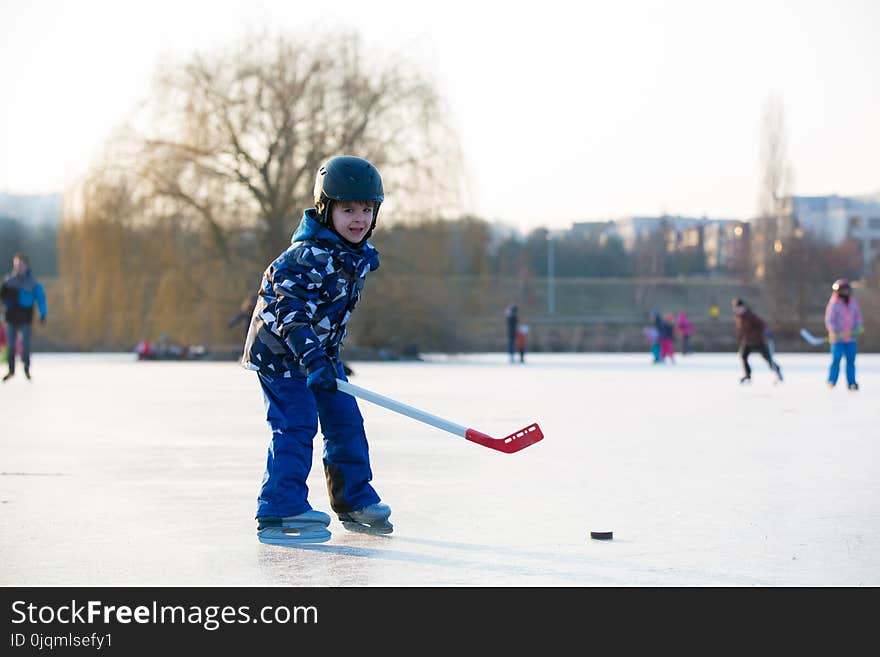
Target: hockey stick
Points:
(510, 444)
(812, 339)
(815, 340)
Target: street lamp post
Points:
(799, 241)
(551, 298)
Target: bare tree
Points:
(204, 187)
(235, 137)
(775, 187)
(777, 172)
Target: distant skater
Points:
(666, 337)
(843, 320)
(21, 293)
(244, 314)
(685, 329)
(751, 334)
(652, 337)
(522, 336)
(3, 341)
(511, 318)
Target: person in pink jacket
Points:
(684, 328)
(843, 320)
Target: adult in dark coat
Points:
(751, 334)
(245, 313)
(511, 316)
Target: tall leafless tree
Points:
(235, 137)
(774, 192)
(777, 171)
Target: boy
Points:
(306, 297)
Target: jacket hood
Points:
(22, 276)
(21, 280)
(311, 229)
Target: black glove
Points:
(321, 374)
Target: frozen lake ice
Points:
(115, 472)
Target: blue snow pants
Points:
(838, 351)
(12, 331)
(292, 412)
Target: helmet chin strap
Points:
(324, 213)
(369, 230)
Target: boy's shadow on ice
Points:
(384, 550)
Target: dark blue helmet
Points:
(347, 178)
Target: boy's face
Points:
(352, 219)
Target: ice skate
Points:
(746, 379)
(778, 371)
(307, 527)
(372, 519)
(853, 387)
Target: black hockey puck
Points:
(602, 536)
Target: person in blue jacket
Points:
(306, 297)
(21, 292)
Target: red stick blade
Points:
(512, 443)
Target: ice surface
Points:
(124, 473)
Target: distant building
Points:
(721, 240)
(730, 245)
(837, 218)
(726, 244)
(633, 229)
(600, 231)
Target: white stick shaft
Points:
(398, 407)
(812, 339)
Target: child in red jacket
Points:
(522, 334)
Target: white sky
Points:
(567, 111)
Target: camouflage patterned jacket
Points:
(306, 298)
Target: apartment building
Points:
(837, 218)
